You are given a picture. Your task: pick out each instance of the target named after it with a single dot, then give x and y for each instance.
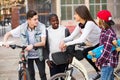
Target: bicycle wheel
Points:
(76, 75)
(24, 74)
(61, 76)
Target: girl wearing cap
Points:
(109, 59)
(88, 31)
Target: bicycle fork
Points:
(21, 69)
(69, 72)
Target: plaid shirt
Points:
(108, 57)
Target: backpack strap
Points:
(67, 33)
(46, 48)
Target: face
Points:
(54, 22)
(97, 21)
(77, 17)
(33, 21)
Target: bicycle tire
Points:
(24, 75)
(80, 76)
(58, 76)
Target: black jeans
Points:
(40, 66)
(85, 52)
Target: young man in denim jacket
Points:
(32, 34)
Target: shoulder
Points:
(24, 25)
(41, 25)
(111, 31)
(90, 23)
(49, 27)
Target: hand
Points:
(99, 67)
(29, 47)
(49, 63)
(5, 45)
(62, 46)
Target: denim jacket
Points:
(25, 37)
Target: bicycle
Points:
(23, 73)
(83, 74)
(68, 74)
(74, 66)
(117, 74)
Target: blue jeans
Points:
(107, 73)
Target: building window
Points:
(111, 5)
(97, 5)
(68, 7)
(117, 9)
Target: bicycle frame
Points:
(23, 74)
(76, 63)
(22, 64)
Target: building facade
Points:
(63, 8)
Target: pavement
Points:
(9, 63)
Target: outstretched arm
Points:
(6, 37)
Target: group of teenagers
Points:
(33, 34)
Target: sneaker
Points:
(97, 76)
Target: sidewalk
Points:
(9, 63)
(4, 29)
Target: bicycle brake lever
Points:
(81, 44)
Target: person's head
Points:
(54, 21)
(104, 18)
(82, 12)
(32, 18)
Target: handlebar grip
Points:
(13, 46)
(81, 44)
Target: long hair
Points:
(105, 24)
(84, 13)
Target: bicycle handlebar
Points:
(14, 46)
(81, 44)
(84, 44)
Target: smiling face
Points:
(54, 22)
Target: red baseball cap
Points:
(104, 15)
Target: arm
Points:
(72, 35)
(42, 43)
(88, 28)
(43, 37)
(68, 37)
(14, 33)
(6, 37)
